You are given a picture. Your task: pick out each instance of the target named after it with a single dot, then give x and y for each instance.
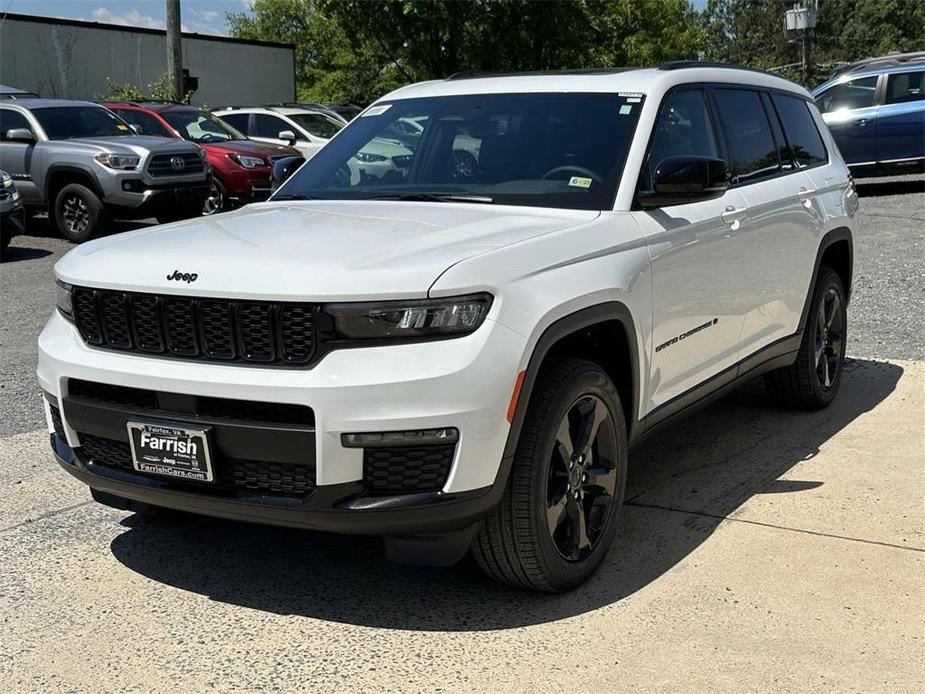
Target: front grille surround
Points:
(227, 330)
(161, 165)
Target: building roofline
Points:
(39, 19)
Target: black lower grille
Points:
(242, 477)
(221, 408)
(406, 470)
(184, 327)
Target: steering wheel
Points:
(576, 169)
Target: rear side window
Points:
(269, 126)
(750, 147)
(238, 121)
(806, 146)
(683, 128)
(858, 93)
(905, 87)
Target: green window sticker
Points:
(626, 109)
(579, 182)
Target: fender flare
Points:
(583, 318)
(829, 239)
(72, 169)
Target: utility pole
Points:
(174, 49)
(802, 19)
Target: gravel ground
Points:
(885, 314)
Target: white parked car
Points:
(305, 129)
(462, 364)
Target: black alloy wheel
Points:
(582, 478)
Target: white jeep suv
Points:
(461, 363)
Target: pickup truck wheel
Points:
(559, 512)
(812, 381)
(79, 213)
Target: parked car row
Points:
(86, 163)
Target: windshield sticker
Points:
(625, 109)
(579, 182)
(631, 95)
(634, 100)
(376, 110)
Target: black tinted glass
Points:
(199, 126)
(683, 128)
(749, 145)
(546, 150)
(10, 120)
(64, 122)
(806, 146)
(905, 87)
(238, 121)
(269, 126)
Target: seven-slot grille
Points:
(211, 329)
(163, 164)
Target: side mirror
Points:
(283, 169)
(20, 135)
(287, 135)
(680, 180)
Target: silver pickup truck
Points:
(84, 165)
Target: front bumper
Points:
(12, 218)
(463, 383)
(138, 198)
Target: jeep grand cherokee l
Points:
(84, 165)
(462, 365)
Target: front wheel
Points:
(559, 512)
(812, 381)
(79, 214)
(217, 199)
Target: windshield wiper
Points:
(432, 197)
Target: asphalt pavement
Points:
(759, 551)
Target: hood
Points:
(249, 147)
(315, 250)
(134, 144)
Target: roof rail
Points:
(685, 64)
(889, 60)
(478, 74)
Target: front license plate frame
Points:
(166, 450)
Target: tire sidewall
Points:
(221, 191)
(94, 208)
(562, 573)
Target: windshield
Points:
(546, 150)
(64, 122)
(200, 126)
(317, 124)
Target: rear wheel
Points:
(79, 214)
(559, 512)
(812, 381)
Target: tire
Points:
(79, 213)
(176, 214)
(516, 544)
(812, 381)
(217, 200)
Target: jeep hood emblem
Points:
(183, 276)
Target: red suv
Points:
(240, 167)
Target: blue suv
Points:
(876, 113)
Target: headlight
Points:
(428, 318)
(247, 162)
(64, 300)
(125, 162)
(368, 157)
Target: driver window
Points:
(683, 128)
(10, 120)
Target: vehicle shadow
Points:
(681, 484)
(39, 226)
(871, 189)
(15, 254)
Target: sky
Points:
(198, 16)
